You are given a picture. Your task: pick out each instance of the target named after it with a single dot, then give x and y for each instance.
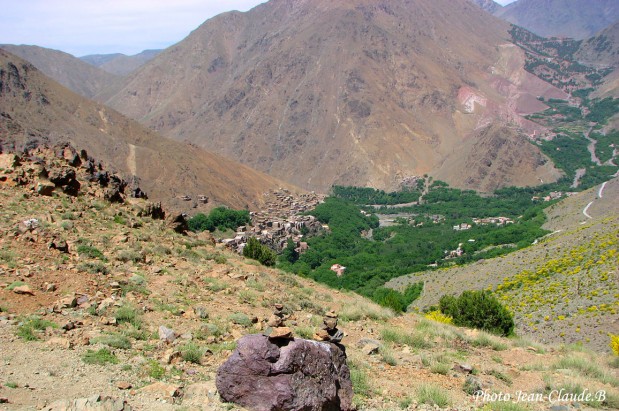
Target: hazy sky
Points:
(83, 27)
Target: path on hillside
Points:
(131, 162)
(585, 210)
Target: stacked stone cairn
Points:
(277, 329)
(329, 331)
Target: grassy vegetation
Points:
(586, 368)
(100, 357)
(360, 379)
(29, 327)
(192, 353)
(113, 340)
(433, 395)
(128, 314)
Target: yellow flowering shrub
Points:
(439, 317)
(614, 343)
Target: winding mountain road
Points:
(585, 210)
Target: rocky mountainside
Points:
(118, 63)
(489, 5)
(601, 49)
(579, 19)
(37, 110)
(318, 93)
(71, 72)
(115, 310)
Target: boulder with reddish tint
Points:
(286, 375)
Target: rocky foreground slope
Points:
(106, 303)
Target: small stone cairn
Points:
(277, 329)
(329, 331)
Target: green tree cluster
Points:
(478, 309)
(260, 252)
(366, 195)
(220, 218)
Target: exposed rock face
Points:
(297, 375)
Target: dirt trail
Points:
(131, 162)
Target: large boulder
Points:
(286, 375)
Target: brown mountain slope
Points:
(120, 64)
(359, 92)
(578, 19)
(33, 107)
(71, 72)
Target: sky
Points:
(82, 27)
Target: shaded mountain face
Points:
(362, 92)
(578, 19)
(34, 108)
(601, 49)
(489, 5)
(71, 72)
(120, 64)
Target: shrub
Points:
(155, 370)
(254, 250)
(614, 343)
(240, 319)
(439, 317)
(192, 353)
(93, 267)
(90, 252)
(478, 309)
(128, 314)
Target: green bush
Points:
(253, 249)
(90, 251)
(478, 309)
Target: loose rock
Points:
(305, 375)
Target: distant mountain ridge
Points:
(71, 72)
(578, 19)
(118, 63)
(351, 93)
